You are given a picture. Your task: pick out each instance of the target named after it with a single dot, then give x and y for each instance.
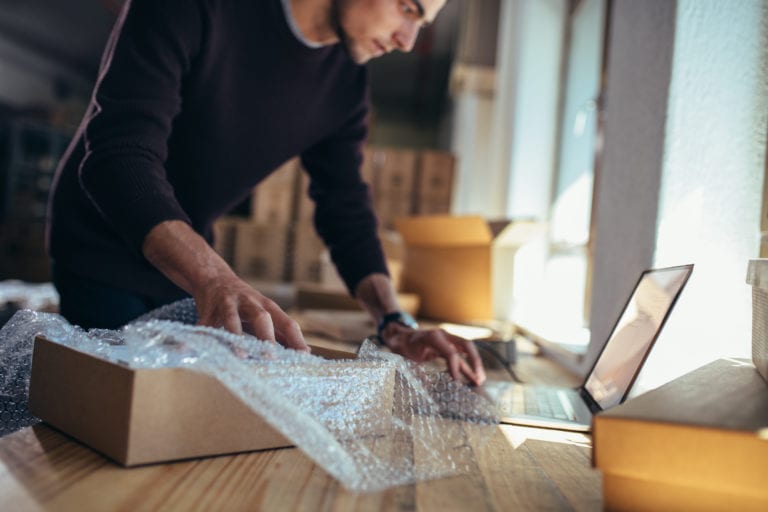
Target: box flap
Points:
(444, 230)
(517, 234)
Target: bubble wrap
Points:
(372, 423)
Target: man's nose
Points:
(405, 37)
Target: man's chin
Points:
(359, 57)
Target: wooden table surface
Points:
(520, 468)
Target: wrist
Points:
(395, 321)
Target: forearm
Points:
(183, 256)
(377, 295)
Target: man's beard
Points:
(336, 24)
(346, 42)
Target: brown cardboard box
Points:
(390, 206)
(450, 263)
(260, 251)
(307, 251)
(224, 237)
(435, 174)
(342, 325)
(394, 171)
(698, 442)
(433, 204)
(141, 416)
(317, 296)
(273, 199)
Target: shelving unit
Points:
(29, 153)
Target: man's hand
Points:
(235, 306)
(376, 294)
(461, 355)
(222, 298)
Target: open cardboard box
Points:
(462, 266)
(141, 416)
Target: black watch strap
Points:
(401, 317)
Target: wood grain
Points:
(517, 468)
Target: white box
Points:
(757, 277)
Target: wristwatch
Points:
(401, 317)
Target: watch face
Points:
(400, 317)
(408, 320)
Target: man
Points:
(195, 103)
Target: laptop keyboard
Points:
(539, 401)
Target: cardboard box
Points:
(699, 442)
(141, 416)
(390, 207)
(435, 174)
(260, 251)
(225, 236)
(273, 199)
(306, 256)
(317, 296)
(394, 171)
(342, 325)
(459, 265)
(430, 204)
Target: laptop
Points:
(608, 382)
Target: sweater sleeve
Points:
(137, 96)
(344, 216)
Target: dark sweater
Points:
(196, 102)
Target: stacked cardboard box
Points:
(257, 248)
(394, 175)
(279, 243)
(272, 201)
(434, 186)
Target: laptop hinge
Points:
(594, 407)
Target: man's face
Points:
(371, 28)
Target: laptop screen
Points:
(633, 335)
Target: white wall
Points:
(712, 179)
(627, 184)
(683, 171)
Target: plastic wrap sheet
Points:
(372, 423)
(37, 296)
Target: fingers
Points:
(257, 321)
(287, 329)
(462, 358)
(222, 315)
(473, 357)
(250, 311)
(446, 347)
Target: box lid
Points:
(444, 230)
(757, 273)
(517, 234)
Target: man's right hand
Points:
(234, 305)
(222, 298)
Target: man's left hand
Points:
(461, 356)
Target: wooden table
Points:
(519, 469)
